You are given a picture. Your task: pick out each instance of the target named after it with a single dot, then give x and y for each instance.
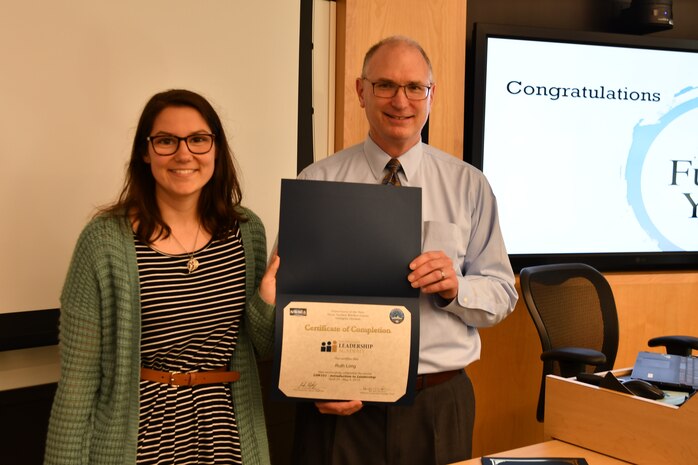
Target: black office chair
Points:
(573, 309)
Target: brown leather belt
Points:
(219, 375)
(432, 379)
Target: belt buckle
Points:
(184, 382)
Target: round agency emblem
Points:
(397, 316)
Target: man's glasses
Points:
(389, 89)
(197, 144)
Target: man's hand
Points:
(343, 408)
(433, 273)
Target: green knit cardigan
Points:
(95, 413)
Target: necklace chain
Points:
(192, 263)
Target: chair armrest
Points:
(573, 360)
(675, 345)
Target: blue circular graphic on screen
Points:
(655, 200)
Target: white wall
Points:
(75, 76)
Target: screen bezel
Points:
(622, 261)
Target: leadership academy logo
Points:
(328, 346)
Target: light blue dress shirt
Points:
(459, 216)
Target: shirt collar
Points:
(377, 159)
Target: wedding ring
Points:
(443, 275)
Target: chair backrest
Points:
(571, 305)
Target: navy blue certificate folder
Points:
(348, 243)
(533, 461)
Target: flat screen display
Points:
(590, 143)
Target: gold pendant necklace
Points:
(192, 263)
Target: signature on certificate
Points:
(308, 386)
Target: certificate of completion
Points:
(339, 351)
(347, 318)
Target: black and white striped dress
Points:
(190, 322)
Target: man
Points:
(464, 276)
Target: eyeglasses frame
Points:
(179, 141)
(397, 89)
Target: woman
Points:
(165, 304)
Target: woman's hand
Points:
(267, 287)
